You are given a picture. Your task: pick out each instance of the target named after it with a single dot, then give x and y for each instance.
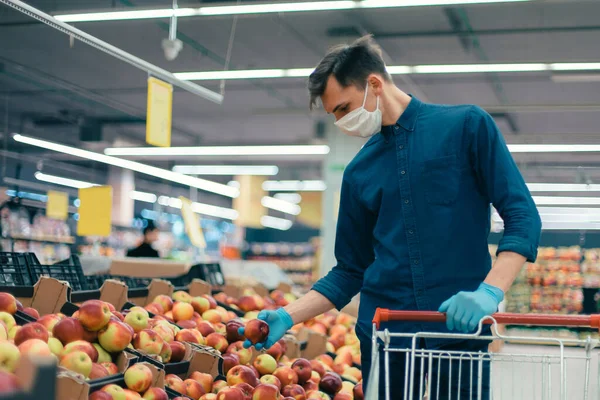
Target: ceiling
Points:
(49, 85)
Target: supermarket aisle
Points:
(533, 372)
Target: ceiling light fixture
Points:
(553, 148)
(394, 70)
(294, 198)
(566, 201)
(200, 208)
(294, 186)
(268, 8)
(198, 183)
(276, 223)
(58, 180)
(142, 196)
(285, 150)
(280, 205)
(230, 170)
(563, 187)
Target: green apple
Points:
(77, 361)
(103, 355)
(9, 356)
(137, 318)
(8, 319)
(56, 346)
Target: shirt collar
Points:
(407, 120)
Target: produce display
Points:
(89, 342)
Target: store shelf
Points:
(43, 239)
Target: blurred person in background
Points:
(145, 249)
(414, 220)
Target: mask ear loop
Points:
(365, 98)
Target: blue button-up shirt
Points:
(414, 213)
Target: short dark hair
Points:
(150, 228)
(349, 64)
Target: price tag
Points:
(95, 211)
(159, 113)
(57, 206)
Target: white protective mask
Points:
(360, 122)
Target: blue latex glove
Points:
(464, 310)
(279, 323)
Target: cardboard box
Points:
(292, 347)
(142, 297)
(315, 343)
(148, 267)
(47, 296)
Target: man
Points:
(415, 217)
(145, 249)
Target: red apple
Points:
(115, 391)
(331, 383)
(8, 303)
(155, 309)
(148, 341)
(32, 312)
(212, 316)
(205, 380)
(248, 303)
(182, 311)
(187, 324)
(49, 321)
(181, 296)
(315, 377)
(35, 347)
(205, 327)
(138, 377)
(358, 391)
(256, 331)
(295, 391)
(175, 383)
(177, 351)
(246, 389)
(317, 366)
(317, 395)
(343, 396)
(310, 386)
(131, 395)
(211, 301)
(193, 389)
(230, 360)
(255, 371)
(101, 396)
(200, 304)
(165, 352)
(31, 330)
(115, 336)
(265, 364)
(275, 351)
(218, 385)
(94, 315)
(217, 341)
(98, 371)
(325, 359)
(245, 355)
(68, 330)
(271, 380)
(303, 369)
(110, 367)
(165, 302)
(241, 373)
(120, 316)
(232, 328)
(265, 391)
(155, 393)
(81, 345)
(286, 376)
(190, 335)
(77, 361)
(230, 393)
(207, 396)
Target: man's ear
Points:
(375, 83)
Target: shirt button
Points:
(400, 147)
(396, 127)
(410, 232)
(403, 172)
(406, 201)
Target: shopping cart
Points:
(520, 371)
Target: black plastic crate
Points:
(14, 269)
(68, 270)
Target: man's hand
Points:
(279, 323)
(465, 309)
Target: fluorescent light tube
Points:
(583, 226)
(280, 205)
(142, 196)
(232, 170)
(294, 186)
(575, 78)
(293, 198)
(200, 208)
(276, 223)
(291, 150)
(566, 201)
(268, 8)
(58, 180)
(563, 187)
(132, 165)
(553, 148)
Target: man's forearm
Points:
(308, 306)
(505, 270)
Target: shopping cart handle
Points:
(589, 321)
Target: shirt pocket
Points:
(441, 178)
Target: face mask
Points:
(360, 122)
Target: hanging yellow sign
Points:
(57, 206)
(159, 113)
(95, 211)
(191, 221)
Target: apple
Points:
(344, 319)
(35, 346)
(264, 391)
(8, 303)
(55, 346)
(248, 303)
(155, 309)
(353, 373)
(205, 327)
(200, 304)
(358, 391)
(211, 301)
(8, 319)
(48, 321)
(286, 376)
(115, 336)
(256, 331)
(4, 331)
(155, 393)
(303, 369)
(265, 364)
(148, 341)
(343, 396)
(31, 330)
(98, 371)
(241, 373)
(13, 332)
(110, 367)
(276, 351)
(175, 383)
(165, 352)
(212, 316)
(317, 395)
(131, 395)
(218, 385)
(165, 302)
(193, 389)
(98, 395)
(8, 384)
(94, 315)
(325, 359)
(217, 341)
(246, 389)
(230, 360)
(137, 318)
(177, 351)
(68, 330)
(205, 380)
(315, 377)
(165, 332)
(230, 393)
(255, 371)
(310, 386)
(317, 366)
(9, 356)
(207, 396)
(32, 312)
(347, 387)
(251, 315)
(190, 335)
(182, 311)
(331, 383)
(138, 377)
(271, 380)
(77, 361)
(115, 391)
(182, 296)
(103, 355)
(82, 345)
(237, 348)
(187, 324)
(232, 328)
(295, 391)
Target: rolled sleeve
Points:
(500, 179)
(353, 249)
